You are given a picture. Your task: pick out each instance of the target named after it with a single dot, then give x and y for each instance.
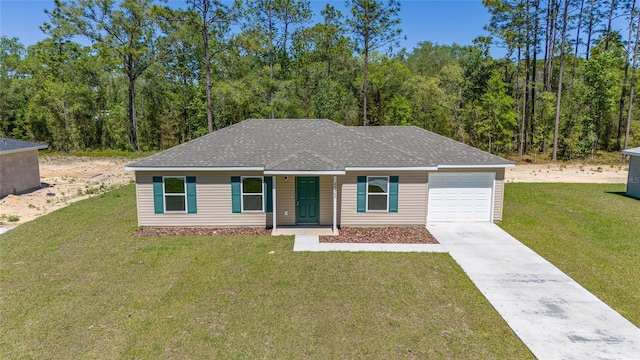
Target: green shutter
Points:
(268, 197)
(362, 193)
(393, 194)
(191, 195)
(158, 197)
(236, 198)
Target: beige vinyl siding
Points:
(633, 180)
(326, 200)
(213, 196)
(498, 193)
(498, 196)
(412, 195)
(286, 200)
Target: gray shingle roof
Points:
(317, 145)
(633, 151)
(12, 145)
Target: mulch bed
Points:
(384, 235)
(199, 231)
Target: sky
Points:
(439, 21)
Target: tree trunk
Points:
(610, 19)
(207, 60)
(551, 42)
(518, 108)
(559, 93)
(590, 28)
(534, 71)
(207, 64)
(623, 91)
(68, 127)
(632, 86)
(547, 39)
(575, 52)
(134, 137)
(365, 81)
(271, 62)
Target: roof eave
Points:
(477, 166)
(13, 151)
(304, 172)
(193, 168)
(391, 168)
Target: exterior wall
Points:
(213, 193)
(412, 201)
(326, 201)
(498, 193)
(498, 196)
(286, 200)
(19, 172)
(213, 196)
(633, 179)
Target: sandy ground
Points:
(65, 180)
(68, 179)
(568, 173)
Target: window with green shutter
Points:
(377, 194)
(251, 194)
(268, 196)
(158, 195)
(393, 194)
(174, 194)
(236, 200)
(362, 194)
(191, 195)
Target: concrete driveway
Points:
(550, 312)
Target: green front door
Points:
(307, 203)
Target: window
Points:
(377, 193)
(170, 193)
(252, 193)
(175, 194)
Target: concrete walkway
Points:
(4, 229)
(312, 243)
(551, 313)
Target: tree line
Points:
(138, 75)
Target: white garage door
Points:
(457, 196)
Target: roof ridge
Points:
(303, 151)
(383, 143)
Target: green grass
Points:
(76, 284)
(589, 231)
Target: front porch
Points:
(304, 203)
(304, 230)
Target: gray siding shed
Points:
(19, 168)
(633, 179)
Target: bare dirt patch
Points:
(65, 179)
(381, 235)
(199, 231)
(568, 173)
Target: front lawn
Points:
(589, 231)
(76, 284)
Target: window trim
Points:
(386, 193)
(242, 194)
(184, 194)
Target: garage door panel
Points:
(460, 196)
